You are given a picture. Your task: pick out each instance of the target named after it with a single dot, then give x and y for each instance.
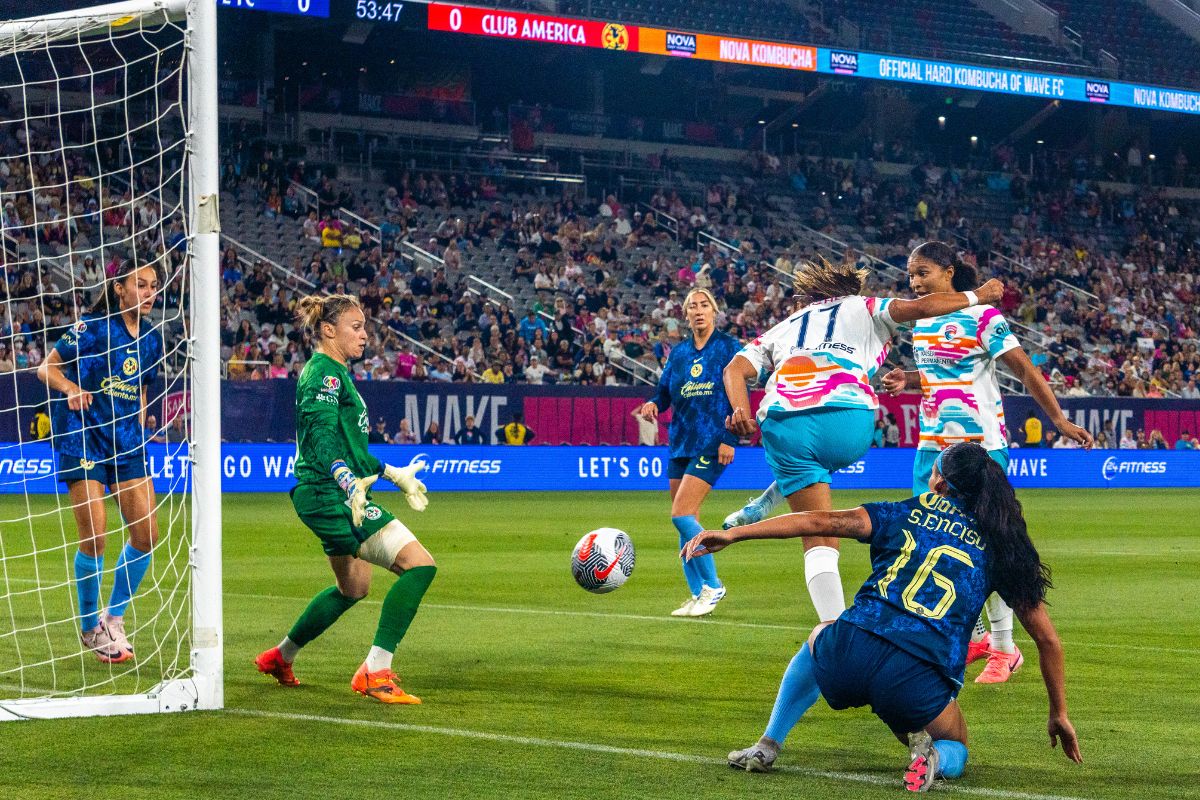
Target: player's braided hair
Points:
(821, 280)
(109, 303)
(311, 311)
(965, 277)
(1014, 570)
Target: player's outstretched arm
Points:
(852, 524)
(1020, 365)
(939, 303)
(405, 479)
(1050, 654)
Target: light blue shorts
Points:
(923, 466)
(808, 447)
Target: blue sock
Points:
(87, 588)
(688, 527)
(705, 566)
(952, 758)
(797, 693)
(131, 568)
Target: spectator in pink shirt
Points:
(405, 363)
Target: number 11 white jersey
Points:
(824, 356)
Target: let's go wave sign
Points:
(618, 36)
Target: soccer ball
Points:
(603, 560)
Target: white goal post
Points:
(164, 204)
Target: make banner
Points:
(29, 468)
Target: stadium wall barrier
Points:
(29, 468)
(263, 411)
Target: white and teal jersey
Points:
(956, 355)
(824, 356)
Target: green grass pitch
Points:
(534, 688)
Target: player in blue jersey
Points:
(103, 365)
(956, 357)
(901, 647)
(700, 446)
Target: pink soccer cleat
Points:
(1001, 666)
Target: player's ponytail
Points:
(965, 277)
(1014, 568)
(314, 309)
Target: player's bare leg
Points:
(91, 520)
(136, 501)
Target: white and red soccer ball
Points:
(603, 560)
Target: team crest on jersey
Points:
(373, 512)
(79, 327)
(130, 366)
(697, 369)
(950, 332)
(332, 384)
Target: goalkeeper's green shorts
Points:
(327, 515)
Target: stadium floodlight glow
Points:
(161, 58)
(974, 140)
(1152, 156)
(942, 123)
(795, 124)
(1041, 141)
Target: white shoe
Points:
(101, 643)
(684, 610)
(706, 601)
(754, 511)
(922, 769)
(116, 631)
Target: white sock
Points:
(771, 499)
(288, 649)
(824, 582)
(1000, 617)
(378, 659)
(979, 631)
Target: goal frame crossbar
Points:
(203, 688)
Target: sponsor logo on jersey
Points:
(1112, 467)
(331, 383)
(1096, 91)
(681, 44)
(115, 386)
(130, 366)
(697, 369)
(364, 424)
(843, 62)
(615, 37)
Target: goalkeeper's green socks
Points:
(323, 610)
(399, 608)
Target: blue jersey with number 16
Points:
(928, 580)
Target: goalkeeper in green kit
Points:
(334, 473)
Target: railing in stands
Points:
(662, 220)
(496, 291)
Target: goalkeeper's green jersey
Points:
(331, 424)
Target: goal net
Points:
(107, 186)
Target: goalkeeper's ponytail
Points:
(311, 311)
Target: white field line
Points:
(660, 755)
(674, 621)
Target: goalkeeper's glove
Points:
(405, 479)
(355, 489)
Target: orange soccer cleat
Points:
(978, 650)
(383, 685)
(1001, 666)
(270, 662)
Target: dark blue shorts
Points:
(706, 467)
(73, 468)
(856, 668)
